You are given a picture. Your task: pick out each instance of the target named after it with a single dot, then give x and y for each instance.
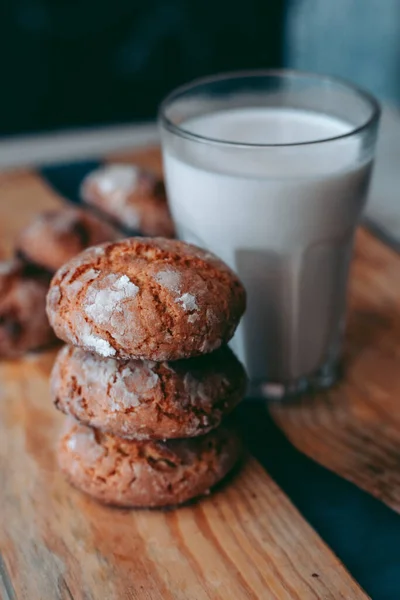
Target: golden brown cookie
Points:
(55, 236)
(23, 322)
(134, 198)
(145, 474)
(154, 299)
(147, 400)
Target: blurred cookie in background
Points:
(23, 321)
(134, 198)
(56, 236)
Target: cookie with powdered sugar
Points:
(55, 236)
(132, 197)
(144, 399)
(153, 299)
(148, 474)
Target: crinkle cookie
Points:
(23, 322)
(134, 198)
(130, 473)
(147, 298)
(55, 236)
(147, 400)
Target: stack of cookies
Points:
(147, 380)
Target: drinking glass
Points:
(270, 171)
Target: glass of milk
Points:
(270, 171)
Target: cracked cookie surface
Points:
(147, 400)
(23, 322)
(55, 236)
(133, 197)
(145, 474)
(148, 298)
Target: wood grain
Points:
(245, 541)
(354, 429)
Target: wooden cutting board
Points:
(246, 540)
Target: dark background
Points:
(68, 63)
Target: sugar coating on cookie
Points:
(131, 473)
(133, 197)
(144, 399)
(145, 298)
(55, 236)
(121, 179)
(23, 322)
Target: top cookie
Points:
(134, 198)
(153, 299)
(55, 236)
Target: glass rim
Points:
(282, 73)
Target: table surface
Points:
(277, 529)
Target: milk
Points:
(283, 217)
